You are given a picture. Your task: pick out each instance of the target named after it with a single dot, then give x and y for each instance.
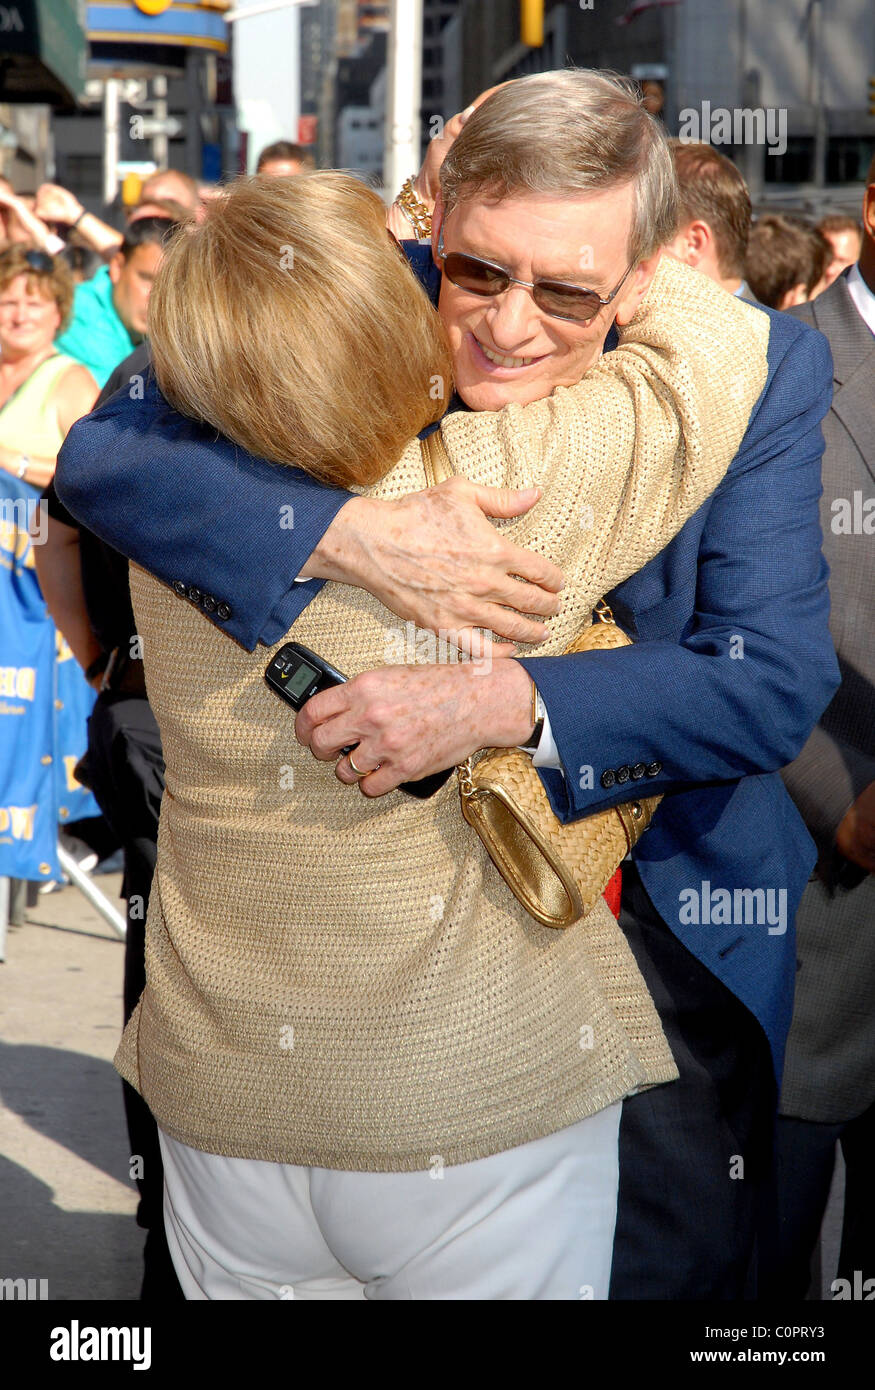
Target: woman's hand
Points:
(426, 185)
(410, 721)
(427, 181)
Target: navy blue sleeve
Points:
(228, 530)
(755, 667)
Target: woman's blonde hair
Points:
(290, 321)
(49, 276)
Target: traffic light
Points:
(872, 96)
(532, 23)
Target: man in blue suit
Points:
(731, 667)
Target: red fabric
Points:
(611, 894)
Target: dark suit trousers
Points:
(127, 771)
(695, 1153)
(805, 1159)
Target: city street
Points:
(66, 1202)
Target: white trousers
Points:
(534, 1222)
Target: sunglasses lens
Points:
(566, 302)
(476, 276)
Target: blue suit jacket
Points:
(731, 669)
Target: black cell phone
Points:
(297, 674)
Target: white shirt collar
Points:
(862, 296)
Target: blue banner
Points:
(44, 705)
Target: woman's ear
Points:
(635, 288)
(437, 218)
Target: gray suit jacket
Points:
(830, 1071)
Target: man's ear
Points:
(116, 265)
(437, 218)
(636, 288)
(690, 243)
(699, 240)
(869, 212)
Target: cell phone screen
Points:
(301, 679)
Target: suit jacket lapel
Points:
(853, 353)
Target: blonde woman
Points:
(42, 392)
(353, 1038)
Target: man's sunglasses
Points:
(555, 297)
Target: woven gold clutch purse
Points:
(558, 872)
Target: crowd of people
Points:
(354, 1063)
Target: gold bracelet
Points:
(414, 209)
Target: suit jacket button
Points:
(608, 779)
(194, 594)
(653, 769)
(223, 612)
(623, 774)
(208, 603)
(638, 771)
(179, 588)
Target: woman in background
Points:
(42, 392)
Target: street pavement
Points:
(67, 1202)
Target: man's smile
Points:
(492, 361)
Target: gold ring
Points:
(357, 770)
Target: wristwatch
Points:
(539, 714)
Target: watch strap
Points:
(539, 714)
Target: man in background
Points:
(828, 1094)
(109, 310)
(845, 235)
(282, 159)
(167, 194)
(715, 213)
(173, 184)
(786, 260)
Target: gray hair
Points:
(576, 130)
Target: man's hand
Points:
(434, 559)
(56, 204)
(414, 720)
(855, 837)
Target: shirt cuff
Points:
(547, 754)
